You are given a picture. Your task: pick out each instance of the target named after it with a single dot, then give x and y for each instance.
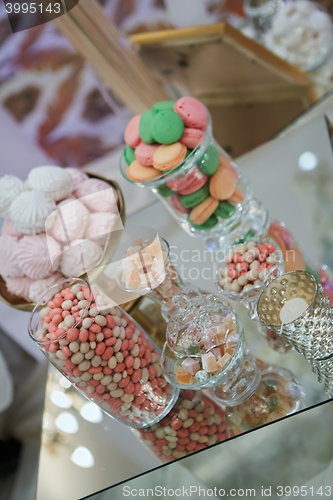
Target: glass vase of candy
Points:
(103, 352)
(171, 150)
(146, 269)
(205, 349)
(194, 423)
(244, 272)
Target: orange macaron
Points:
(202, 212)
(168, 156)
(223, 183)
(138, 173)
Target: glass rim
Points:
(40, 302)
(299, 317)
(187, 163)
(213, 380)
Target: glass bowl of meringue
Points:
(301, 33)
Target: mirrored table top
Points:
(294, 193)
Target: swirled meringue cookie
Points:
(29, 211)
(77, 177)
(19, 286)
(9, 262)
(54, 181)
(10, 187)
(97, 195)
(69, 221)
(39, 287)
(80, 257)
(99, 227)
(8, 229)
(34, 257)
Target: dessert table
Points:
(292, 189)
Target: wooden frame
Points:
(250, 92)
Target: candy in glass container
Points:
(146, 268)
(245, 270)
(194, 423)
(103, 352)
(199, 184)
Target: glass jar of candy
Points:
(193, 424)
(206, 192)
(103, 353)
(277, 395)
(146, 269)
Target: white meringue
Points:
(54, 181)
(10, 187)
(39, 287)
(301, 33)
(80, 257)
(9, 263)
(100, 226)
(29, 211)
(68, 222)
(34, 257)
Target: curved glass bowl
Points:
(172, 361)
(102, 366)
(252, 293)
(187, 167)
(147, 285)
(277, 395)
(308, 58)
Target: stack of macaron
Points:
(55, 222)
(160, 139)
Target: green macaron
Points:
(165, 191)
(208, 224)
(145, 126)
(129, 155)
(210, 160)
(163, 105)
(225, 210)
(166, 127)
(194, 199)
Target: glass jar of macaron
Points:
(171, 150)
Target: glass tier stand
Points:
(291, 195)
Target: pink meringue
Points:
(100, 226)
(8, 229)
(19, 286)
(77, 177)
(9, 262)
(80, 257)
(34, 256)
(68, 223)
(39, 287)
(97, 195)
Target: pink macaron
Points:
(191, 137)
(175, 202)
(132, 136)
(192, 112)
(179, 183)
(144, 153)
(197, 183)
